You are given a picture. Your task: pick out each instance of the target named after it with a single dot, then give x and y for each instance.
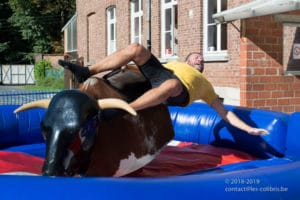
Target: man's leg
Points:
(134, 52)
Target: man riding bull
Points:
(174, 83)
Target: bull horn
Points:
(116, 103)
(43, 103)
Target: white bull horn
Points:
(43, 103)
(116, 103)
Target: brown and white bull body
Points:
(81, 139)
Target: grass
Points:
(47, 83)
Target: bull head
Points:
(69, 127)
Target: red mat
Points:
(173, 160)
(20, 163)
(182, 159)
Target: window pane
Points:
(112, 46)
(136, 39)
(223, 36)
(168, 18)
(212, 8)
(167, 1)
(111, 13)
(112, 31)
(69, 39)
(136, 6)
(136, 26)
(211, 43)
(168, 43)
(175, 16)
(74, 35)
(224, 5)
(175, 31)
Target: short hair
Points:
(188, 56)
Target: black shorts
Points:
(154, 71)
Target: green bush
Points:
(40, 69)
(46, 77)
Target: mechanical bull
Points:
(84, 135)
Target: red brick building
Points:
(250, 47)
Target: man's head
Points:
(195, 59)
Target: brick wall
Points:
(92, 17)
(189, 27)
(155, 27)
(263, 82)
(91, 31)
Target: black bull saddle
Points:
(128, 81)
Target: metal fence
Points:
(23, 96)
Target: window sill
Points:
(71, 51)
(295, 73)
(215, 56)
(168, 59)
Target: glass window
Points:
(71, 33)
(111, 30)
(136, 20)
(69, 39)
(214, 35)
(169, 28)
(74, 31)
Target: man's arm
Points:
(234, 120)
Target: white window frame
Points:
(111, 42)
(212, 53)
(136, 15)
(170, 53)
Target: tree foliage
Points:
(12, 47)
(36, 24)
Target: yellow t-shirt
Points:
(197, 85)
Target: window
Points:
(169, 25)
(214, 35)
(71, 34)
(111, 30)
(291, 48)
(136, 20)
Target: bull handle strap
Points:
(131, 67)
(112, 73)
